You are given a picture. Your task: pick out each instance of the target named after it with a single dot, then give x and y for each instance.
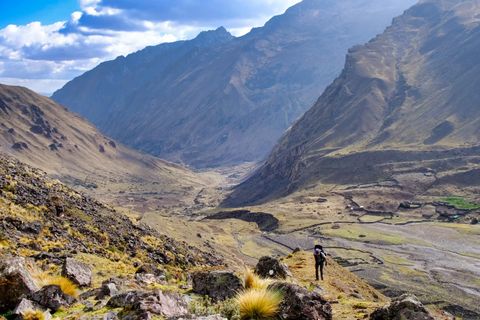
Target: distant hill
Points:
(39, 132)
(408, 101)
(219, 100)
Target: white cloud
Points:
(44, 57)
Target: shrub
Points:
(253, 281)
(33, 315)
(259, 304)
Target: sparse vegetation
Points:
(461, 203)
(204, 306)
(259, 304)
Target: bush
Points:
(259, 304)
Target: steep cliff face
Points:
(219, 100)
(406, 100)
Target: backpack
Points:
(320, 255)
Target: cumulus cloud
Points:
(44, 57)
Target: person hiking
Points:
(320, 260)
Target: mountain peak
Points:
(219, 35)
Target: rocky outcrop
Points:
(403, 307)
(299, 303)
(16, 281)
(218, 285)
(140, 305)
(79, 272)
(52, 297)
(268, 267)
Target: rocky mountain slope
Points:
(36, 130)
(219, 100)
(66, 255)
(406, 102)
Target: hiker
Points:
(320, 260)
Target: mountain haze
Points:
(406, 101)
(220, 100)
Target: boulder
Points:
(149, 274)
(52, 297)
(299, 303)
(16, 282)
(404, 307)
(79, 272)
(218, 285)
(268, 267)
(26, 306)
(107, 290)
(140, 304)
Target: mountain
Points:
(219, 100)
(406, 102)
(39, 132)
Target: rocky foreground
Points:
(67, 256)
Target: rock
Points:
(218, 285)
(474, 221)
(110, 316)
(52, 297)
(79, 272)
(268, 267)
(403, 307)
(107, 290)
(26, 305)
(16, 281)
(299, 303)
(140, 304)
(149, 274)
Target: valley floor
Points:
(407, 250)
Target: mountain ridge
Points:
(407, 94)
(226, 103)
(39, 132)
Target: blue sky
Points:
(45, 43)
(25, 11)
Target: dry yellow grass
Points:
(259, 304)
(33, 315)
(355, 297)
(66, 285)
(253, 281)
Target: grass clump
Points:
(253, 281)
(33, 315)
(461, 203)
(259, 304)
(66, 285)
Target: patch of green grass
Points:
(362, 234)
(461, 203)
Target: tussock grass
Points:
(33, 315)
(66, 285)
(253, 281)
(259, 304)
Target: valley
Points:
(221, 162)
(397, 245)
